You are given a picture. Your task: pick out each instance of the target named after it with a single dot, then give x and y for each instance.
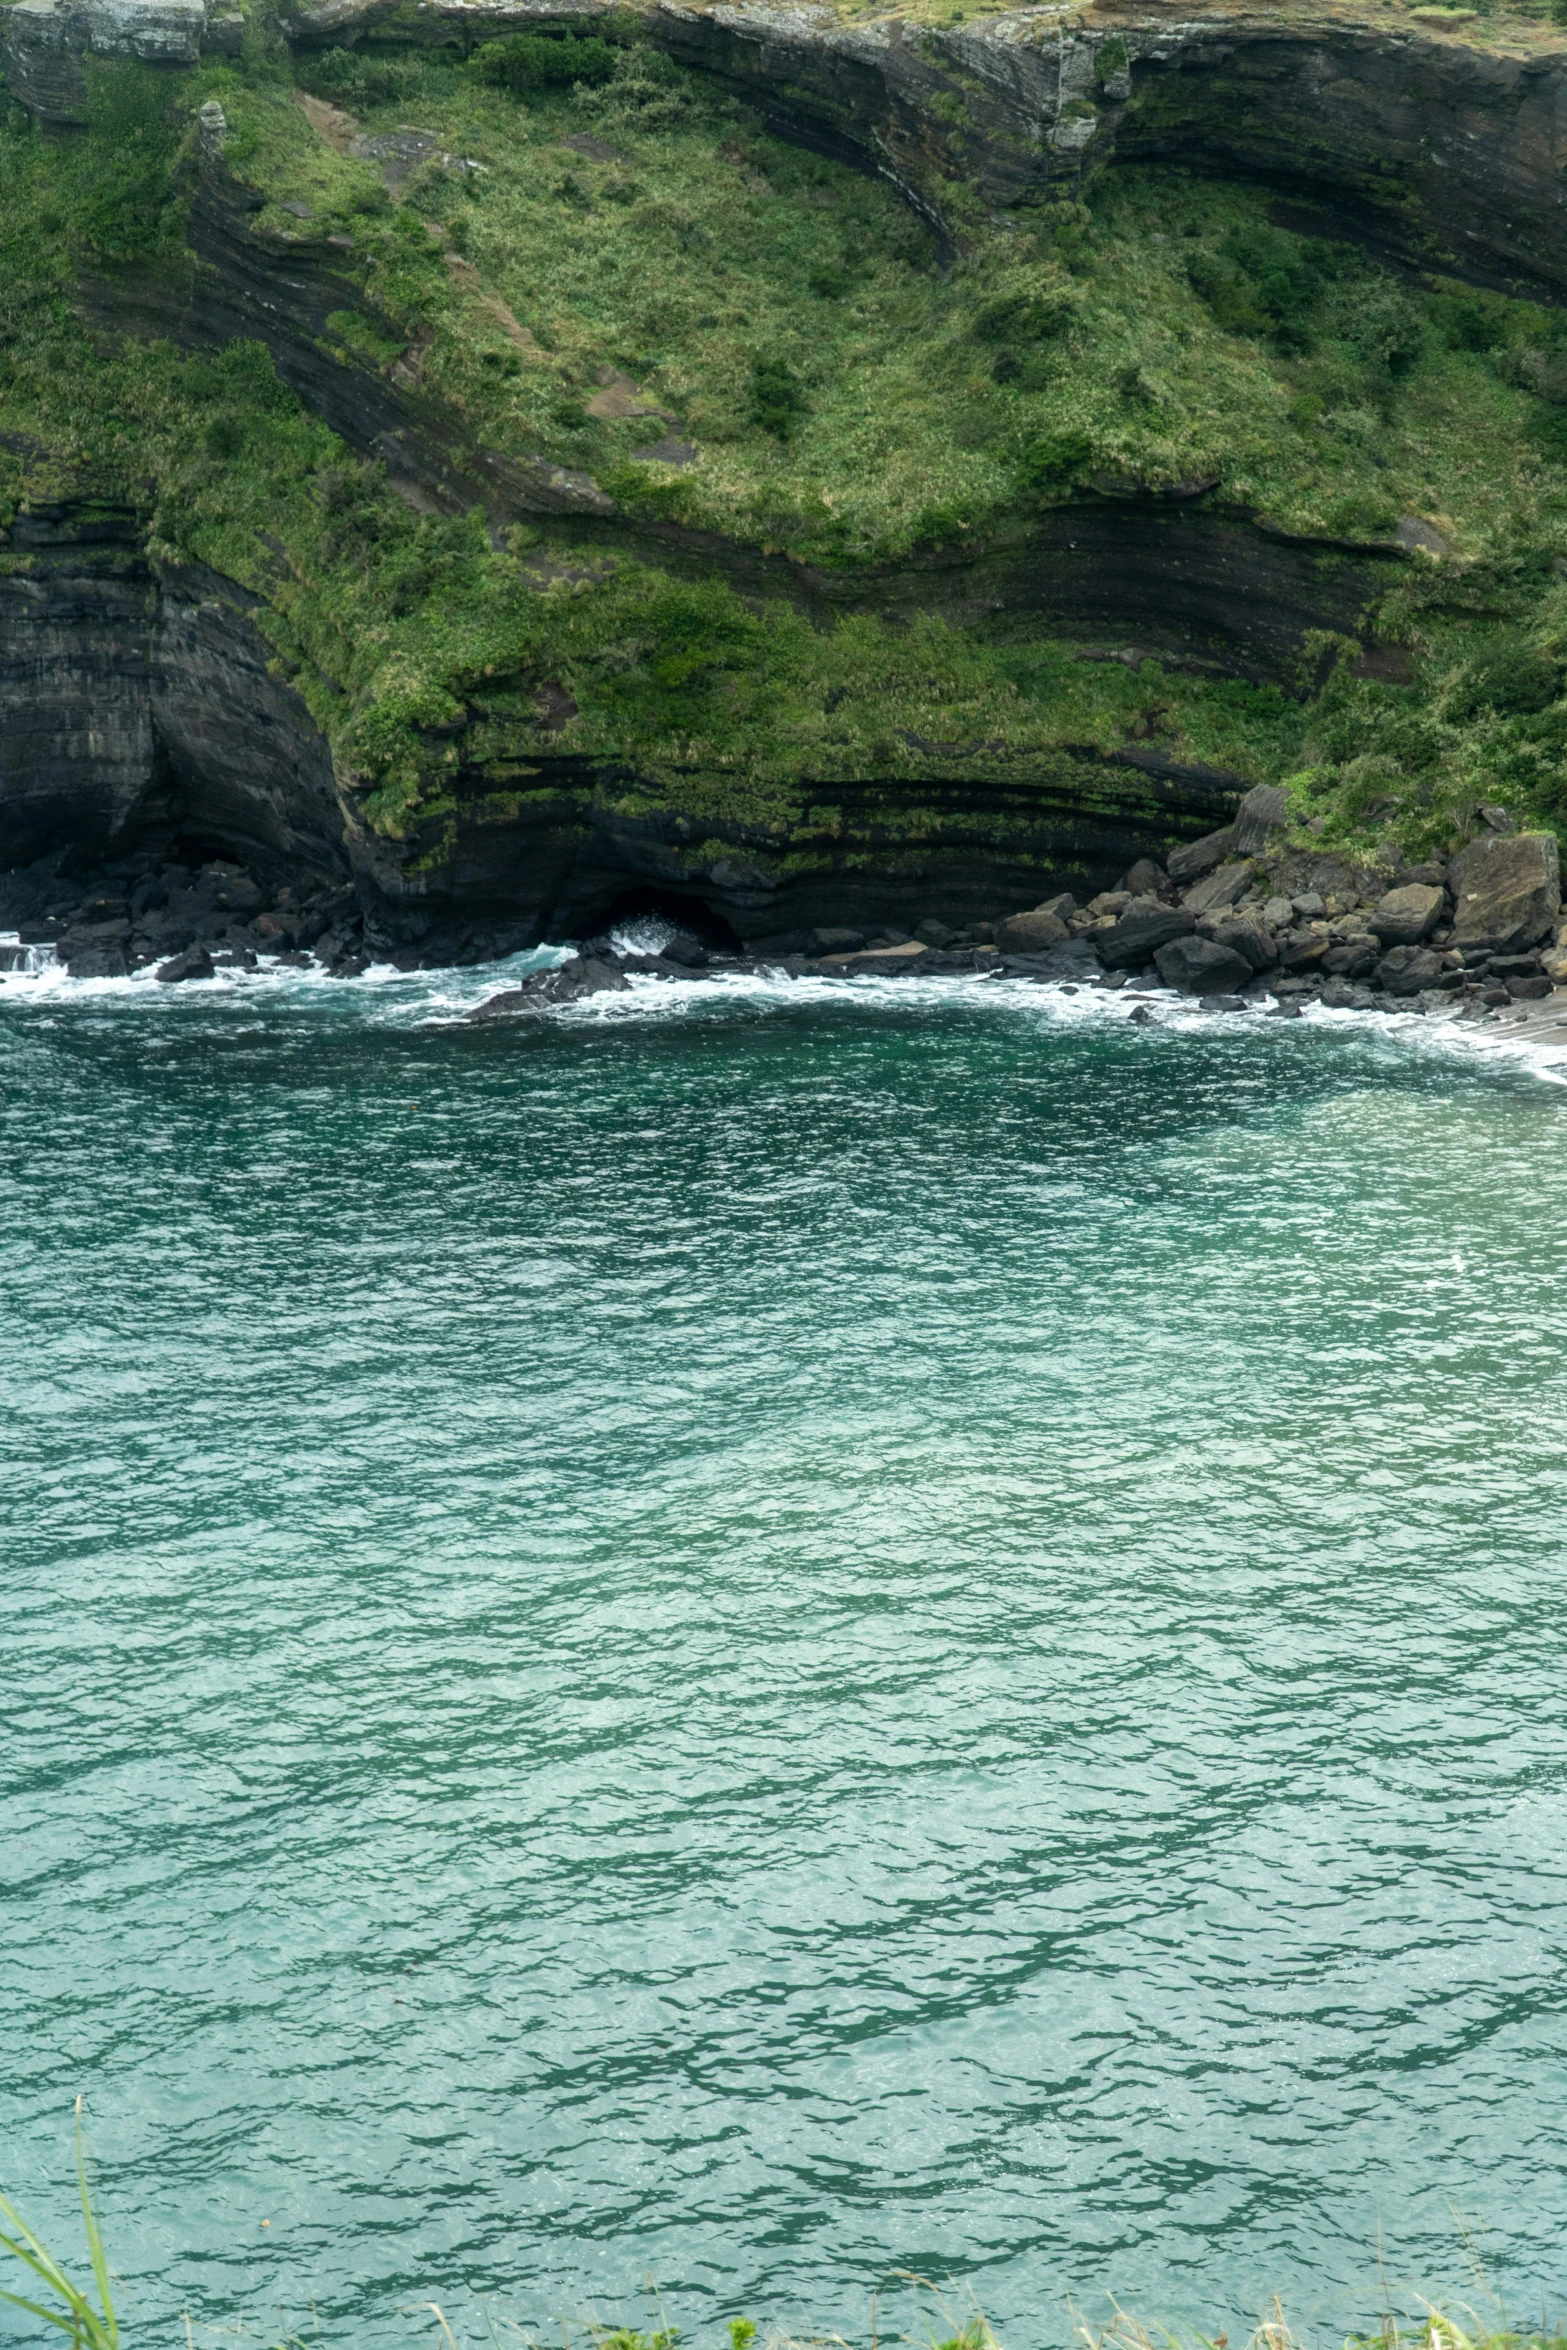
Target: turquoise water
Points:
(762, 1637)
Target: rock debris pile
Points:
(188, 921)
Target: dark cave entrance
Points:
(669, 905)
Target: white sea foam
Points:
(440, 996)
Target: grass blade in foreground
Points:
(90, 2328)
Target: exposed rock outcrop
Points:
(1506, 889)
(43, 44)
(135, 708)
(140, 711)
(1440, 150)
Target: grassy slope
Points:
(1172, 333)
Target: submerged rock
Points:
(195, 963)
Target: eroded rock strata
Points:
(1444, 153)
(148, 735)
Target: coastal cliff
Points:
(1083, 648)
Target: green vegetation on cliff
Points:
(624, 276)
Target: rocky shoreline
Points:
(1234, 921)
(1245, 918)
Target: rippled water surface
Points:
(768, 1636)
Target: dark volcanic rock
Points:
(1137, 938)
(129, 705)
(1304, 951)
(195, 963)
(98, 950)
(1188, 864)
(1247, 936)
(568, 983)
(1406, 970)
(1200, 966)
(1220, 888)
(1263, 812)
(1077, 961)
(1353, 957)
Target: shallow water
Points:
(762, 1636)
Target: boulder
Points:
(1076, 960)
(96, 950)
(836, 941)
(1264, 811)
(195, 963)
(1031, 933)
(1246, 936)
(1528, 987)
(1220, 888)
(1310, 905)
(1199, 856)
(1201, 966)
(1353, 957)
(1406, 970)
(1341, 995)
(1408, 914)
(1305, 951)
(686, 949)
(1137, 938)
(584, 975)
(931, 933)
(569, 981)
(1278, 914)
(1506, 888)
(1145, 879)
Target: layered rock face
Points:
(137, 710)
(44, 42)
(1440, 151)
(133, 708)
(1445, 152)
(139, 717)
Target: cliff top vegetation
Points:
(592, 257)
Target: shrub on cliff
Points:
(347, 79)
(777, 397)
(1025, 314)
(644, 90)
(535, 61)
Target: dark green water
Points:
(775, 1638)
